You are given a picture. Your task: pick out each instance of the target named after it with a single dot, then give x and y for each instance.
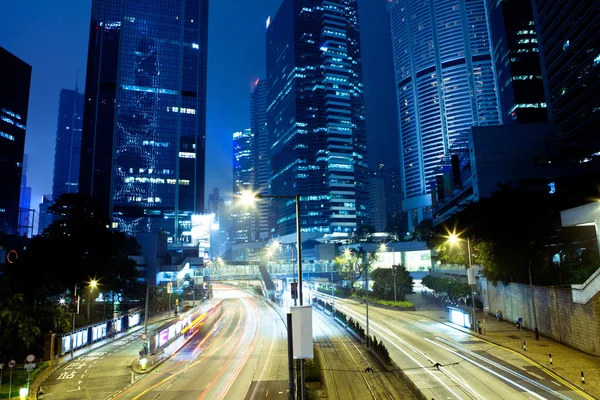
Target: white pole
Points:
(395, 271)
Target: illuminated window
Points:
(7, 136)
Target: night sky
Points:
(52, 36)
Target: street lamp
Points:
(453, 239)
(347, 254)
(250, 198)
(93, 284)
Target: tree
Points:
(354, 263)
(77, 247)
(19, 331)
(363, 232)
(383, 286)
(510, 232)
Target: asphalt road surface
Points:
(446, 363)
(242, 356)
(99, 373)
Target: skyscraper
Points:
(242, 217)
(570, 44)
(143, 146)
(258, 126)
(517, 62)
(315, 117)
(26, 214)
(67, 153)
(445, 82)
(15, 79)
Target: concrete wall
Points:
(559, 318)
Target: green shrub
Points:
(312, 369)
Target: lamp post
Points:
(249, 197)
(347, 253)
(93, 284)
(73, 325)
(471, 277)
(332, 296)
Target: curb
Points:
(540, 365)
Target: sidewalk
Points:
(162, 316)
(567, 363)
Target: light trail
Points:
(384, 331)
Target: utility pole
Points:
(73, 326)
(367, 301)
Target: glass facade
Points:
(446, 84)
(143, 147)
(67, 153)
(15, 79)
(243, 216)
(315, 117)
(517, 62)
(258, 125)
(570, 41)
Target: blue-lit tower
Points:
(15, 80)
(143, 146)
(569, 33)
(67, 153)
(316, 117)
(243, 217)
(260, 134)
(445, 82)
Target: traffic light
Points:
(74, 306)
(294, 289)
(394, 268)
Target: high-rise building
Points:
(378, 206)
(570, 42)
(26, 214)
(15, 80)
(386, 195)
(446, 84)
(45, 217)
(517, 61)
(243, 216)
(67, 152)
(316, 117)
(258, 126)
(143, 144)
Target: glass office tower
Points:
(67, 153)
(258, 125)
(446, 84)
(15, 79)
(143, 146)
(570, 43)
(315, 117)
(243, 217)
(517, 62)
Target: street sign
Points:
(12, 363)
(169, 287)
(29, 367)
(144, 336)
(30, 358)
(520, 319)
